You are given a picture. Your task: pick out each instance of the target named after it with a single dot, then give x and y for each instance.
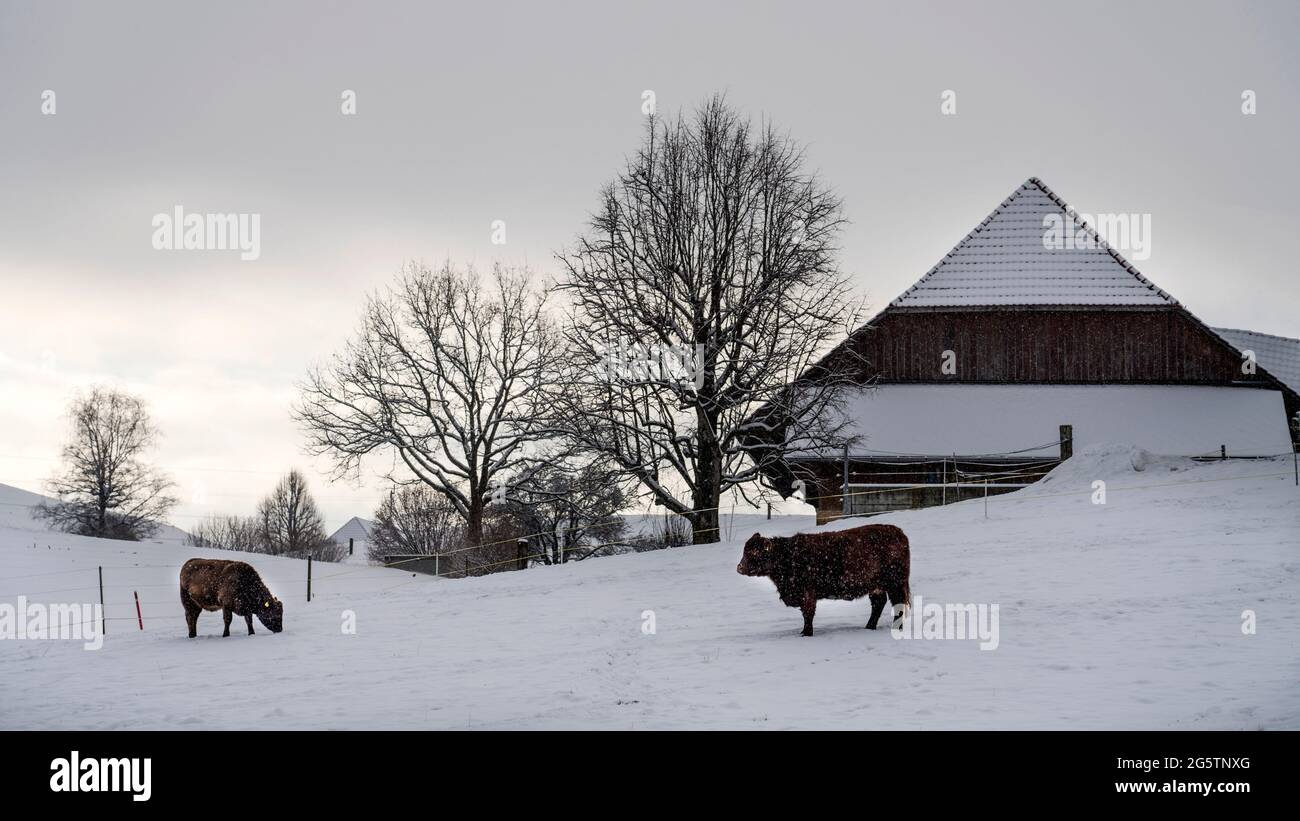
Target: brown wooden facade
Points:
(1083, 346)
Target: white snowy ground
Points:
(1126, 615)
(16, 507)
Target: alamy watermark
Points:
(41, 622)
(77, 774)
(179, 231)
(947, 621)
(635, 362)
(1129, 233)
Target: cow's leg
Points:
(249, 618)
(192, 612)
(809, 608)
(227, 614)
(877, 606)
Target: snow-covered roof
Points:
(355, 528)
(1024, 420)
(1279, 355)
(1005, 262)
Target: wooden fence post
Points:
(309, 577)
(944, 468)
(349, 545)
(138, 616)
(1067, 441)
(844, 506)
(102, 627)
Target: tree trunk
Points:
(708, 475)
(706, 524)
(708, 494)
(474, 522)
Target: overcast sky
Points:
(469, 113)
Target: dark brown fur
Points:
(872, 560)
(234, 588)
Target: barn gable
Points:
(1012, 309)
(1006, 261)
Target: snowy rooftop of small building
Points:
(1024, 420)
(1005, 261)
(1279, 355)
(355, 528)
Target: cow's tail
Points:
(903, 609)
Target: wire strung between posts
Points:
(890, 489)
(478, 567)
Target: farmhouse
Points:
(1012, 352)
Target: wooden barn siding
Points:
(1163, 346)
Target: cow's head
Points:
(758, 558)
(271, 614)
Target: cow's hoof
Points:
(806, 633)
(869, 627)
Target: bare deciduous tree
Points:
(289, 523)
(227, 533)
(571, 511)
(445, 372)
(715, 249)
(104, 488)
(413, 520)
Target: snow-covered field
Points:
(16, 507)
(1123, 615)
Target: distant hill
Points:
(16, 512)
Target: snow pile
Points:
(1110, 461)
(1127, 614)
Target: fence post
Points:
(844, 499)
(944, 468)
(521, 553)
(138, 616)
(1067, 441)
(986, 498)
(349, 545)
(769, 511)
(102, 626)
(1223, 451)
(309, 577)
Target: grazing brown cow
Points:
(234, 588)
(872, 560)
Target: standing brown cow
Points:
(872, 560)
(234, 588)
